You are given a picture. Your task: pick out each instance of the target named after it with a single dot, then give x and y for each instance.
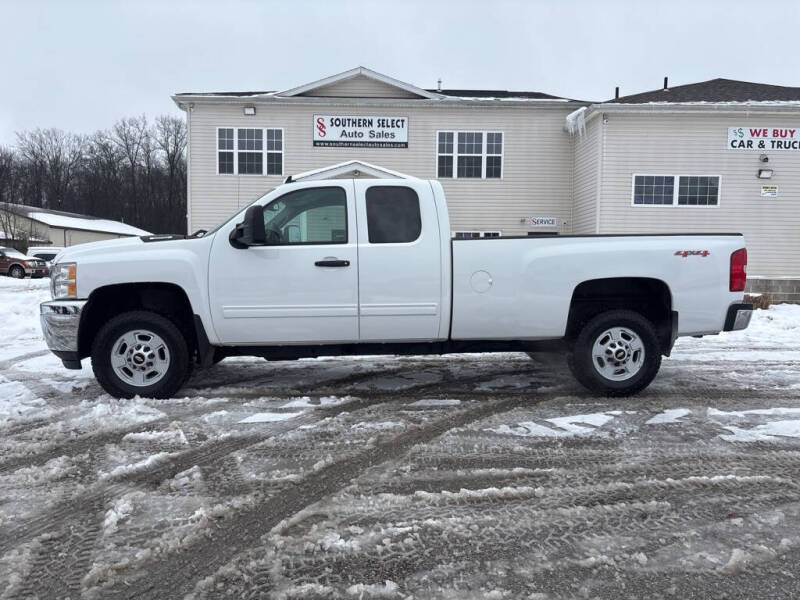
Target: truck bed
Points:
(519, 287)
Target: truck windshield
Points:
(228, 220)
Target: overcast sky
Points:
(80, 65)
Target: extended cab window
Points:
(392, 214)
(309, 216)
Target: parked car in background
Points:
(45, 253)
(16, 264)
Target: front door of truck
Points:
(399, 261)
(302, 286)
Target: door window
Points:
(308, 216)
(392, 214)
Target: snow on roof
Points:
(87, 223)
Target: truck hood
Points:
(75, 253)
(146, 244)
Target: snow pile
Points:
(119, 511)
(308, 402)
(170, 436)
(773, 334)
(267, 417)
(18, 402)
(670, 415)
(19, 306)
(387, 589)
(567, 426)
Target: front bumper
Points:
(60, 324)
(738, 317)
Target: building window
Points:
(661, 190)
(698, 191)
(494, 155)
(653, 189)
(274, 151)
(469, 154)
(251, 151)
(469, 235)
(225, 150)
(445, 154)
(250, 155)
(393, 215)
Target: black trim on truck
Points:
(733, 311)
(205, 351)
(290, 352)
(71, 360)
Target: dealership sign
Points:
(764, 138)
(359, 131)
(543, 221)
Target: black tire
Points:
(176, 374)
(582, 365)
(16, 272)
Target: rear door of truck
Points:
(400, 274)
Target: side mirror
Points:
(249, 232)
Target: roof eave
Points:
(704, 107)
(363, 71)
(184, 100)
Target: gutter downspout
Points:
(189, 108)
(601, 151)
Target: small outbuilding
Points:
(30, 225)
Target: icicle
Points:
(576, 122)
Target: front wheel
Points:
(616, 353)
(140, 353)
(17, 272)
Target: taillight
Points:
(738, 270)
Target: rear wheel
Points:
(616, 353)
(140, 353)
(17, 272)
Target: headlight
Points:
(63, 280)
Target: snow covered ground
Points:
(455, 478)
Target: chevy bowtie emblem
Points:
(687, 253)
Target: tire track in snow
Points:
(91, 440)
(153, 474)
(9, 362)
(176, 575)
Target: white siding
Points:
(360, 87)
(696, 144)
(537, 169)
(586, 148)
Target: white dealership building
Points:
(716, 156)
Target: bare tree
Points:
(171, 140)
(55, 156)
(135, 172)
(129, 135)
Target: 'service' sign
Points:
(543, 221)
(360, 131)
(764, 138)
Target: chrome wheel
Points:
(618, 354)
(17, 272)
(140, 358)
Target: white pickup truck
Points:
(368, 266)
